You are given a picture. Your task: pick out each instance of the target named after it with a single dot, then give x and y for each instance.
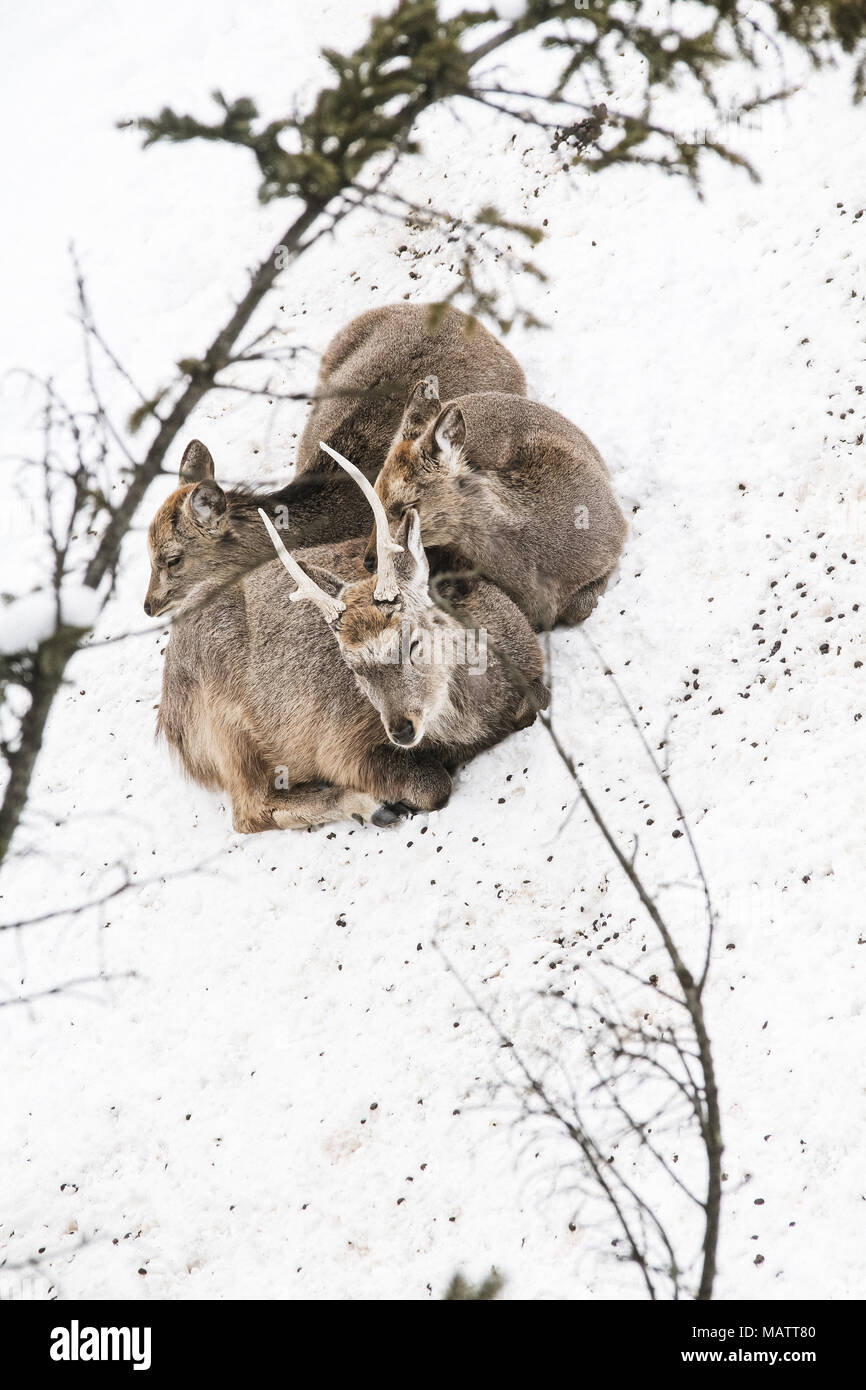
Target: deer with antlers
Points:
(310, 699)
(365, 374)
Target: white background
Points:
(205, 1129)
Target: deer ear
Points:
(207, 505)
(421, 406)
(196, 463)
(412, 567)
(449, 433)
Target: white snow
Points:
(31, 619)
(279, 1089)
(27, 621)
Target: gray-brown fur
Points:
(379, 356)
(515, 490)
(258, 689)
(215, 535)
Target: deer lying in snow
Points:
(353, 703)
(370, 366)
(513, 490)
(203, 527)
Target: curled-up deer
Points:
(365, 373)
(309, 697)
(370, 365)
(513, 491)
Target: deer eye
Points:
(175, 560)
(415, 649)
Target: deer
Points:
(369, 367)
(513, 491)
(203, 527)
(311, 697)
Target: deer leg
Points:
(257, 805)
(306, 805)
(394, 780)
(244, 776)
(537, 697)
(225, 746)
(415, 780)
(579, 605)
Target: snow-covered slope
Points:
(281, 1089)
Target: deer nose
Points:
(403, 733)
(369, 563)
(147, 607)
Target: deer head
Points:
(426, 467)
(400, 649)
(186, 535)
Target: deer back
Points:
(514, 489)
(379, 356)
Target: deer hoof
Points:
(390, 813)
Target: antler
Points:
(387, 588)
(328, 606)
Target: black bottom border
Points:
(602, 1339)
